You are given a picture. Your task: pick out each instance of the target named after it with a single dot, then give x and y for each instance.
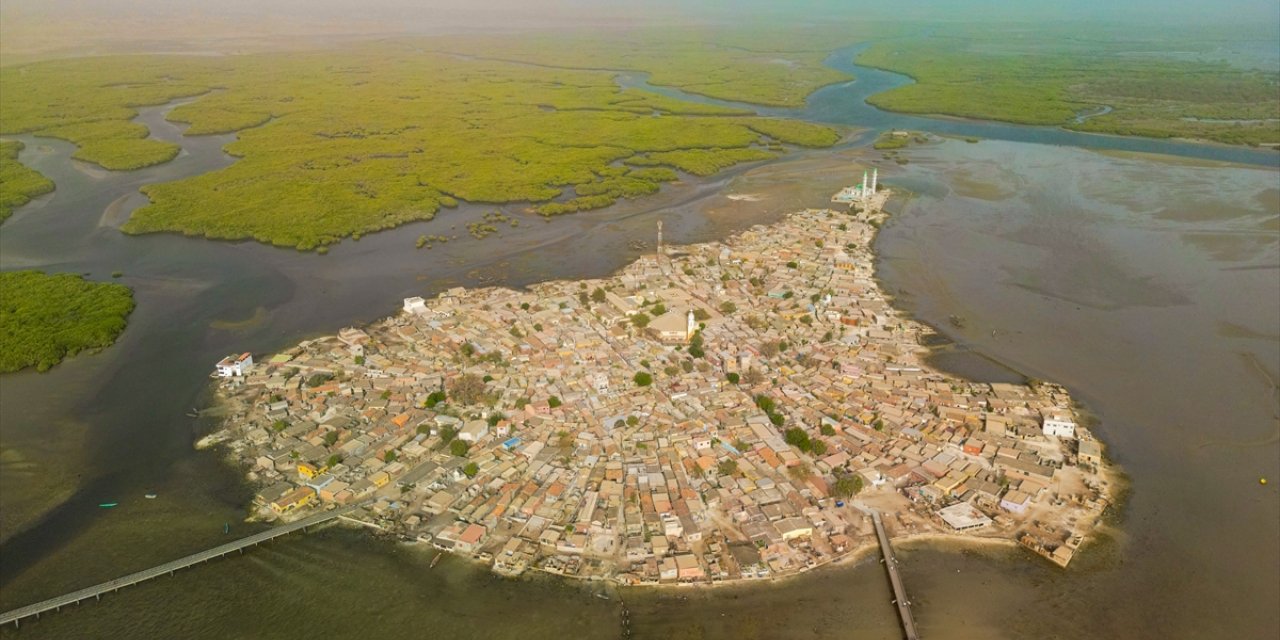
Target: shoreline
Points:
(457, 515)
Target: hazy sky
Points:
(33, 26)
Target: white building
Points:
(1059, 426)
(415, 305)
(473, 431)
(234, 365)
(961, 516)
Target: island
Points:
(715, 412)
(47, 317)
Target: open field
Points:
(1106, 85)
(335, 144)
(18, 183)
(45, 318)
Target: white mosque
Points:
(858, 193)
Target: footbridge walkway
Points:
(96, 592)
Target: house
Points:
(687, 567)
(1015, 502)
(234, 366)
(473, 431)
(1090, 452)
(674, 327)
(415, 305)
(1060, 426)
(669, 569)
(470, 539)
(300, 497)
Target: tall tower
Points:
(690, 326)
(875, 175)
(863, 192)
(659, 237)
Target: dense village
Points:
(713, 412)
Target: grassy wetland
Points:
(45, 318)
(18, 183)
(336, 144)
(1115, 84)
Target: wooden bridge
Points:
(96, 592)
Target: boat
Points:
(150, 496)
(436, 559)
(108, 505)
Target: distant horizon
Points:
(31, 27)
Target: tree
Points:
(827, 430)
(792, 265)
(434, 399)
(360, 360)
(471, 469)
(727, 307)
(632, 421)
(333, 461)
(695, 345)
(467, 388)
(701, 315)
(640, 320)
(564, 439)
(583, 298)
(752, 377)
(447, 434)
(796, 437)
(727, 467)
(643, 379)
(279, 425)
(846, 485)
(818, 447)
(598, 296)
(331, 438)
(553, 402)
(389, 456)
(659, 309)
(733, 377)
(459, 447)
(769, 349)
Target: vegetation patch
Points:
(18, 183)
(1108, 84)
(333, 144)
(703, 162)
(45, 318)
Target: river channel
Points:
(1147, 284)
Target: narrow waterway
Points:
(1148, 285)
(846, 103)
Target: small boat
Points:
(436, 560)
(108, 505)
(226, 527)
(150, 496)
